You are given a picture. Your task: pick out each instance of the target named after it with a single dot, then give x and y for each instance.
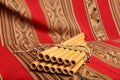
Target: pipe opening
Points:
(33, 66)
(53, 59)
(73, 62)
(60, 61)
(59, 70)
(46, 69)
(40, 56)
(47, 58)
(65, 71)
(52, 70)
(40, 67)
(66, 62)
(71, 72)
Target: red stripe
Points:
(11, 68)
(39, 21)
(107, 19)
(0, 43)
(104, 68)
(112, 43)
(80, 14)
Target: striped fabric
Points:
(25, 24)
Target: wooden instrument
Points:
(61, 59)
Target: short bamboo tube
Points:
(53, 68)
(46, 67)
(41, 65)
(73, 68)
(60, 68)
(34, 65)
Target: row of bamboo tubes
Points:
(61, 60)
(56, 68)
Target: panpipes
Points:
(62, 59)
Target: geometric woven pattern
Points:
(28, 24)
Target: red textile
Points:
(112, 43)
(10, 65)
(82, 19)
(107, 20)
(104, 68)
(39, 21)
(15, 70)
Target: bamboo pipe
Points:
(55, 57)
(34, 65)
(74, 38)
(46, 68)
(41, 54)
(78, 37)
(69, 69)
(64, 56)
(80, 42)
(41, 65)
(76, 67)
(53, 68)
(78, 58)
(40, 68)
(71, 57)
(65, 71)
(81, 39)
(75, 41)
(47, 57)
(60, 68)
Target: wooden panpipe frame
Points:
(61, 58)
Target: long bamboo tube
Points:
(80, 42)
(76, 41)
(47, 57)
(55, 57)
(34, 65)
(71, 57)
(74, 38)
(76, 67)
(64, 56)
(41, 54)
(70, 42)
(78, 58)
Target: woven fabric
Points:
(25, 24)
